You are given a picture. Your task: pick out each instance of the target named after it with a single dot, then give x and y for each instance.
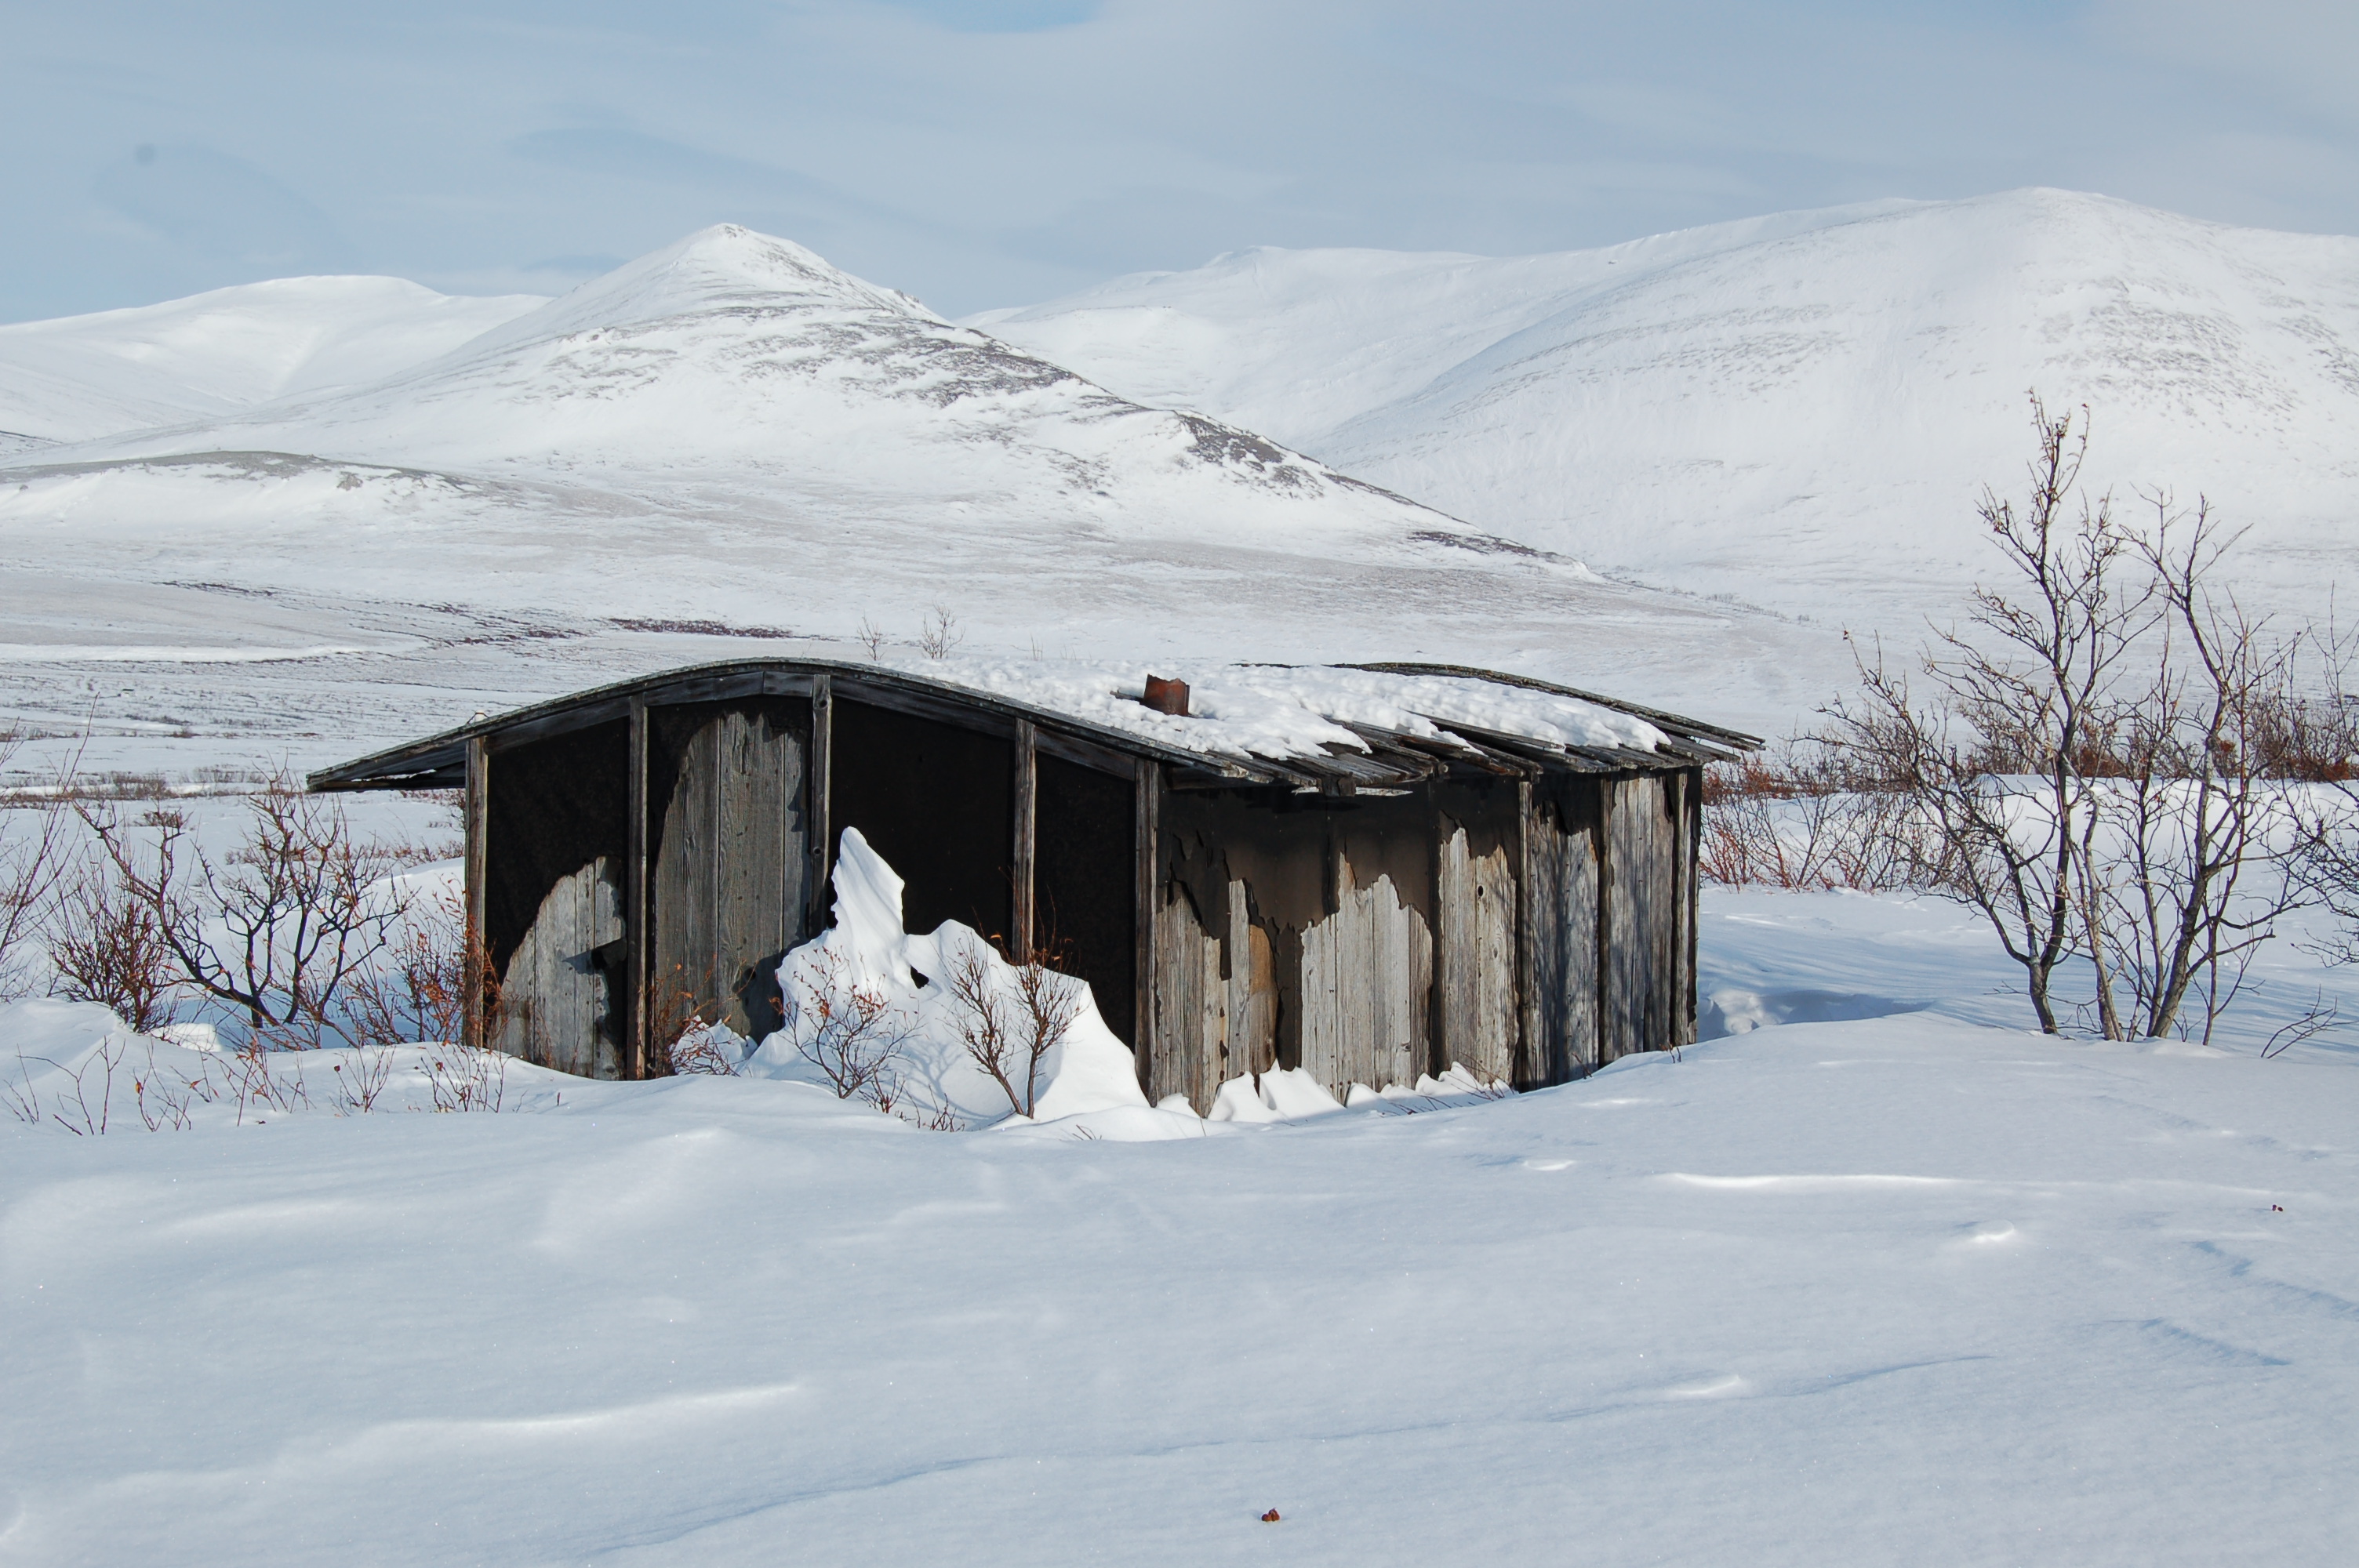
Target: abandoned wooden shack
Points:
(1512, 891)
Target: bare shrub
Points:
(279, 928)
(1009, 1037)
(2094, 763)
(255, 1083)
(676, 1008)
(941, 633)
(871, 636)
(361, 1079)
(30, 861)
(416, 993)
(1800, 819)
(107, 946)
(463, 1078)
(20, 1099)
(70, 1109)
(2319, 1017)
(159, 1104)
(851, 1033)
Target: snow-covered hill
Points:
(1799, 409)
(730, 432)
(212, 354)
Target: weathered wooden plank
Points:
(1692, 836)
(1023, 920)
(478, 810)
(1249, 1040)
(1642, 915)
(1564, 947)
(1475, 957)
(557, 1007)
(819, 829)
(1367, 980)
(1187, 968)
(729, 895)
(635, 906)
(1147, 890)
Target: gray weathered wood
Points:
(478, 810)
(1562, 944)
(1147, 904)
(1642, 919)
(634, 905)
(1248, 1041)
(1019, 939)
(1475, 957)
(555, 1002)
(1368, 981)
(818, 831)
(1215, 999)
(728, 891)
(1189, 1002)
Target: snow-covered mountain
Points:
(1799, 409)
(216, 353)
(732, 433)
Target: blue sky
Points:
(994, 152)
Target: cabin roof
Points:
(1334, 729)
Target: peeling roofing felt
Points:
(1281, 712)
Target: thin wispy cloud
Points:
(982, 152)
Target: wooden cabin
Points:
(1374, 907)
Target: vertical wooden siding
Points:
(727, 897)
(1474, 899)
(1645, 920)
(1367, 986)
(1560, 868)
(559, 996)
(1215, 998)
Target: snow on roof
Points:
(1279, 711)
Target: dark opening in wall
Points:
(1083, 879)
(939, 803)
(555, 806)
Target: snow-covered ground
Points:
(1903, 1288)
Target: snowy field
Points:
(1912, 1288)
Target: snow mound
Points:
(934, 1024)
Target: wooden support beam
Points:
(1609, 1033)
(820, 839)
(635, 1062)
(478, 811)
(1146, 852)
(1019, 939)
(1528, 1067)
(1690, 833)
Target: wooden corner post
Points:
(475, 975)
(636, 913)
(1145, 848)
(818, 837)
(1022, 912)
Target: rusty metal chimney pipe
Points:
(1167, 695)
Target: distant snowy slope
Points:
(1799, 409)
(210, 354)
(730, 432)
